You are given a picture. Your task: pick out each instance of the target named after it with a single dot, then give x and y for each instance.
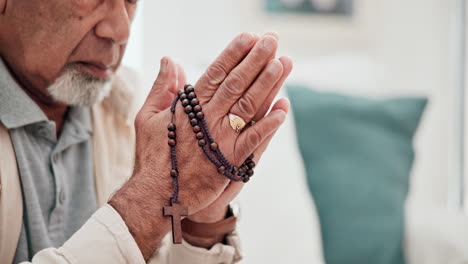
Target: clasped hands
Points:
(243, 80)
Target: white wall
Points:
(413, 43)
(406, 46)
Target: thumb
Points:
(164, 88)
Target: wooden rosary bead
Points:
(171, 142)
(200, 135)
(195, 102)
(251, 164)
(250, 173)
(200, 115)
(241, 171)
(235, 170)
(194, 122)
(174, 173)
(183, 96)
(188, 109)
(191, 95)
(186, 86)
(171, 134)
(251, 157)
(180, 92)
(221, 170)
(245, 168)
(171, 127)
(214, 146)
(197, 108)
(185, 102)
(246, 179)
(201, 142)
(196, 129)
(191, 115)
(189, 89)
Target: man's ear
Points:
(3, 4)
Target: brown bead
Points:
(246, 179)
(195, 102)
(235, 170)
(196, 129)
(171, 127)
(197, 108)
(171, 134)
(250, 173)
(191, 95)
(183, 97)
(188, 109)
(174, 173)
(200, 115)
(181, 92)
(194, 122)
(241, 171)
(185, 102)
(189, 89)
(186, 86)
(251, 164)
(171, 142)
(200, 135)
(191, 115)
(245, 167)
(201, 142)
(221, 169)
(214, 146)
(251, 157)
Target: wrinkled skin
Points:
(244, 81)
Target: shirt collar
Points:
(81, 118)
(17, 109)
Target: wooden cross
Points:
(176, 211)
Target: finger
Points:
(163, 90)
(181, 78)
(251, 138)
(239, 79)
(215, 74)
(287, 68)
(280, 104)
(249, 104)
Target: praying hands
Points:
(241, 83)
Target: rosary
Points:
(211, 149)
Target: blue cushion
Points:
(358, 155)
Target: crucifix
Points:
(176, 211)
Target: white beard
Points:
(76, 88)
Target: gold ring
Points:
(237, 123)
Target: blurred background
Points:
(374, 49)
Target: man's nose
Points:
(116, 23)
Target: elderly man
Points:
(79, 184)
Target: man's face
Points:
(43, 41)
